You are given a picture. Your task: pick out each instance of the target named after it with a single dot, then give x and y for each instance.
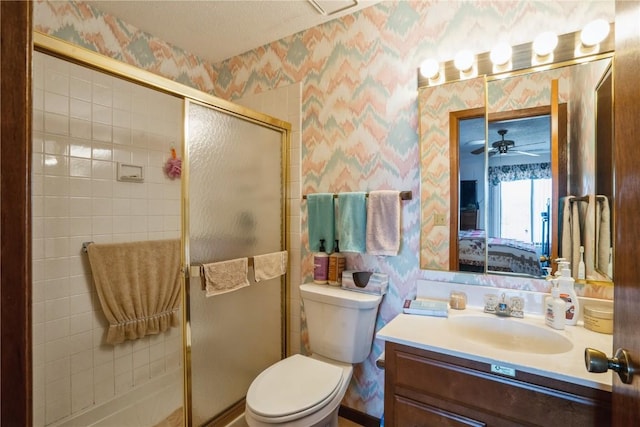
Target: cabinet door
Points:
(410, 413)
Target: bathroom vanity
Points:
(449, 371)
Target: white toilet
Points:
(306, 391)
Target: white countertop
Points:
(438, 334)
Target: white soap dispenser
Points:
(568, 294)
(555, 308)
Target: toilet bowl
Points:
(306, 391)
(299, 391)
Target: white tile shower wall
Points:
(84, 123)
(284, 104)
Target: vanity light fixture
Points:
(430, 69)
(500, 57)
(594, 32)
(464, 61)
(501, 53)
(503, 60)
(545, 43)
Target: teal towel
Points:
(321, 221)
(352, 221)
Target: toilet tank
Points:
(340, 322)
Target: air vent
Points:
(331, 7)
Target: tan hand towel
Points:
(269, 266)
(225, 276)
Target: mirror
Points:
(483, 191)
(604, 174)
(518, 192)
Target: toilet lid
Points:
(293, 385)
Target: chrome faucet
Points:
(513, 307)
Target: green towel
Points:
(352, 221)
(321, 220)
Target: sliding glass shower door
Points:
(234, 208)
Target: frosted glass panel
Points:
(235, 210)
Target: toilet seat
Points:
(293, 388)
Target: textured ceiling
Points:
(219, 29)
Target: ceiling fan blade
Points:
(524, 153)
(478, 150)
(532, 144)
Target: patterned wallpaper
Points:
(359, 106)
(435, 174)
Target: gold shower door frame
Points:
(76, 54)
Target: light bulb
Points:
(501, 53)
(545, 43)
(463, 60)
(430, 68)
(594, 32)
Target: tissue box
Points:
(365, 281)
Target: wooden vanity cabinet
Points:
(424, 388)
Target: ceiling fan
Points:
(503, 146)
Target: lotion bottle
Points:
(555, 309)
(337, 263)
(320, 265)
(568, 294)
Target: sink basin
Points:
(510, 334)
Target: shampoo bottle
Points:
(554, 309)
(320, 265)
(337, 263)
(568, 294)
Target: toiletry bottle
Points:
(320, 265)
(568, 294)
(337, 263)
(581, 269)
(554, 309)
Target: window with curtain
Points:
(522, 194)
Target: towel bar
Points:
(196, 269)
(586, 198)
(404, 195)
(85, 245)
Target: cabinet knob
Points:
(598, 362)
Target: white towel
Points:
(225, 276)
(383, 223)
(269, 266)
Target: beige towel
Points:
(570, 233)
(603, 223)
(269, 266)
(588, 230)
(225, 276)
(138, 284)
(383, 223)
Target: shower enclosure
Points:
(234, 208)
(91, 116)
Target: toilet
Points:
(304, 391)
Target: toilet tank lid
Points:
(338, 296)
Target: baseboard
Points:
(358, 417)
